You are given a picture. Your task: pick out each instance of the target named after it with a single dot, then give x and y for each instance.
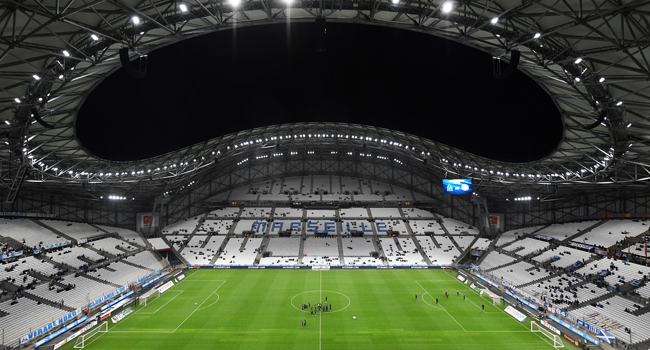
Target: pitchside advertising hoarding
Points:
(50, 326)
(457, 186)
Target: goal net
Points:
(537, 328)
(85, 336)
(496, 300)
(149, 297)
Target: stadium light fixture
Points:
(36, 77)
(17, 100)
(8, 123)
(578, 79)
(619, 103)
(94, 37)
(61, 77)
(494, 20)
(395, 2)
(578, 60)
(447, 7)
(183, 7)
(136, 20)
(537, 35)
(601, 80)
(66, 53)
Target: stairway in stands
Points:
(422, 252)
(59, 233)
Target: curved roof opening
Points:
(239, 79)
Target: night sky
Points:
(250, 77)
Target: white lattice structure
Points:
(392, 213)
(25, 315)
(227, 212)
(612, 231)
(124, 274)
(519, 273)
(233, 256)
(108, 245)
(415, 213)
(33, 234)
(456, 227)
(286, 212)
(256, 212)
(356, 213)
(315, 214)
(183, 226)
(420, 227)
(614, 319)
(495, 259)
(529, 245)
(563, 231)
(86, 290)
(146, 259)
(350, 184)
(512, 235)
(76, 230)
(319, 247)
(566, 256)
(69, 256)
(131, 236)
(25, 264)
(321, 183)
(356, 246)
(216, 226)
(284, 246)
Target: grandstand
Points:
(91, 215)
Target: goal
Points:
(536, 328)
(149, 297)
(496, 300)
(81, 341)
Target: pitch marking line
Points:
(502, 310)
(433, 306)
(195, 310)
(179, 292)
(443, 308)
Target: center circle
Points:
(336, 299)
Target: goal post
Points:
(149, 297)
(496, 300)
(537, 328)
(81, 341)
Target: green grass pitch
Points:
(260, 309)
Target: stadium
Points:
(285, 174)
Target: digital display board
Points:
(457, 186)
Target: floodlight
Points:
(601, 80)
(66, 53)
(36, 77)
(183, 7)
(577, 61)
(619, 103)
(94, 37)
(135, 19)
(447, 7)
(494, 20)
(537, 35)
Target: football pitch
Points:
(261, 309)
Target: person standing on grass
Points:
(436, 300)
(416, 297)
(483, 306)
(457, 293)
(464, 297)
(305, 322)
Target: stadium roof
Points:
(589, 56)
